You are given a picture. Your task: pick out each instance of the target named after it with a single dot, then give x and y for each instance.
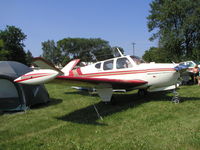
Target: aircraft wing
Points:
(116, 83)
(43, 64)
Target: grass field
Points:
(69, 121)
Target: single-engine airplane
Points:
(123, 72)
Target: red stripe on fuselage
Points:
(99, 74)
(26, 77)
(35, 74)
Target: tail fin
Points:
(43, 64)
(70, 66)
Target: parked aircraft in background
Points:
(123, 72)
(190, 64)
(188, 75)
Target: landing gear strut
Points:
(175, 98)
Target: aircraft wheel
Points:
(113, 100)
(142, 92)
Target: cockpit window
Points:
(190, 64)
(108, 65)
(123, 63)
(98, 66)
(137, 60)
(197, 62)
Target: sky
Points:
(121, 22)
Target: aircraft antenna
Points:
(133, 48)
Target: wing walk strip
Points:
(78, 72)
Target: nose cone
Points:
(37, 77)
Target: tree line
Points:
(175, 24)
(60, 52)
(88, 50)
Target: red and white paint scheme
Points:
(37, 77)
(124, 72)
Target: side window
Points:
(123, 63)
(108, 65)
(182, 64)
(190, 64)
(98, 66)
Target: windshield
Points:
(197, 62)
(137, 60)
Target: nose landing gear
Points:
(175, 98)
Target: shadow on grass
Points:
(79, 92)
(1, 112)
(52, 102)
(36, 106)
(123, 102)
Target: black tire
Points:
(142, 92)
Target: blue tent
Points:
(14, 96)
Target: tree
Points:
(29, 58)
(3, 53)
(100, 49)
(157, 55)
(178, 27)
(87, 49)
(115, 51)
(51, 52)
(13, 38)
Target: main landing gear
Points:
(112, 101)
(142, 92)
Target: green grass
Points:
(69, 121)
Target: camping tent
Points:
(14, 96)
